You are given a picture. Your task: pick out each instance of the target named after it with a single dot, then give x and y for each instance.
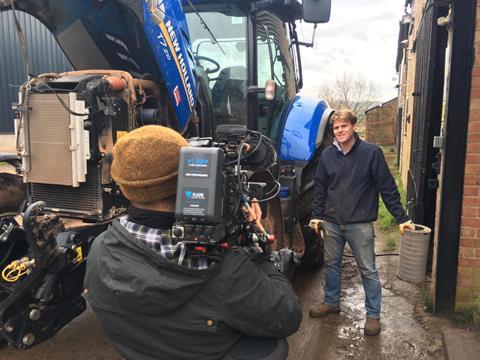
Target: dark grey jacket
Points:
(347, 186)
(151, 308)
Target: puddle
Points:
(405, 333)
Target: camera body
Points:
(200, 180)
(215, 187)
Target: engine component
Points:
(42, 276)
(74, 119)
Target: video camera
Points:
(216, 185)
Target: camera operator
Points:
(155, 304)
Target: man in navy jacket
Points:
(351, 174)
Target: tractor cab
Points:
(249, 53)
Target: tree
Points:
(349, 91)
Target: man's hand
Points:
(406, 225)
(255, 212)
(315, 224)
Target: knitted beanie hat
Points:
(145, 163)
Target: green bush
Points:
(386, 222)
(427, 298)
(390, 242)
(463, 317)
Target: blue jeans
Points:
(360, 238)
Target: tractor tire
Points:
(3, 341)
(313, 243)
(314, 249)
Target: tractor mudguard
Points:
(304, 126)
(300, 133)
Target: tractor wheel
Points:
(312, 243)
(273, 223)
(272, 219)
(3, 341)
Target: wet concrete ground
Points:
(408, 332)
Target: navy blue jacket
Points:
(347, 186)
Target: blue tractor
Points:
(191, 65)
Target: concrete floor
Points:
(408, 332)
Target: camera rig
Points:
(216, 185)
(42, 254)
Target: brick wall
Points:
(381, 123)
(468, 277)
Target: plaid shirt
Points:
(161, 241)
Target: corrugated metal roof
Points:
(44, 53)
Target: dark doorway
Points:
(452, 177)
(429, 47)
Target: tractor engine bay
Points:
(66, 126)
(73, 120)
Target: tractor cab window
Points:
(275, 63)
(222, 58)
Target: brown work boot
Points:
(323, 309)
(372, 327)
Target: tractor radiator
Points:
(55, 160)
(84, 201)
(56, 142)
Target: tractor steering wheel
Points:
(199, 58)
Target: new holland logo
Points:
(172, 46)
(157, 9)
(182, 66)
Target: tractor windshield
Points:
(224, 61)
(223, 57)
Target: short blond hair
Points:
(344, 114)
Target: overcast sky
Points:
(361, 37)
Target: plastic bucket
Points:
(414, 244)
